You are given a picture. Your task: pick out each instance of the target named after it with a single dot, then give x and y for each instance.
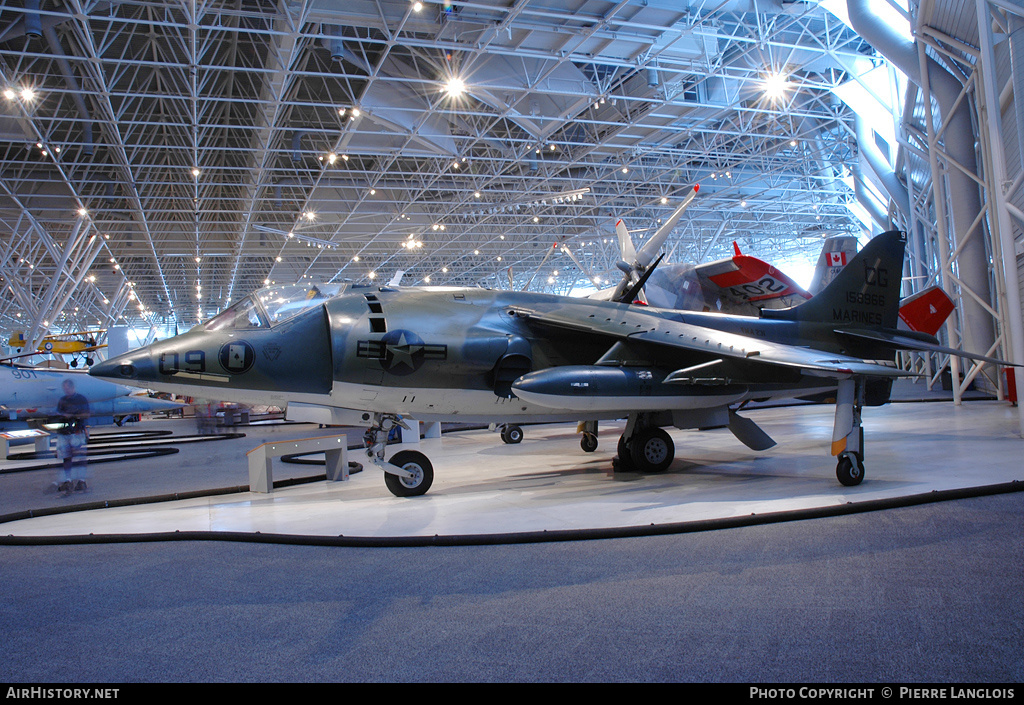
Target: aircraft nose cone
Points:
(131, 366)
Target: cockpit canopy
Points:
(271, 305)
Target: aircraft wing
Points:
(742, 280)
(906, 342)
(645, 325)
(20, 355)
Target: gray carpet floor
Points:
(930, 593)
(922, 594)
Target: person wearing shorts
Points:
(73, 409)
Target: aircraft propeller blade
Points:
(566, 250)
(628, 296)
(645, 255)
(634, 262)
(547, 254)
(627, 252)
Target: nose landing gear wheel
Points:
(416, 463)
(850, 470)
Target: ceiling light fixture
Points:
(455, 87)
(775, 85)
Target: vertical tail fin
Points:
(836, 252)
(865, 293)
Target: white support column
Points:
(1000, 216)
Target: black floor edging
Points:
(100, 451)
(486, 539)
(116, 456)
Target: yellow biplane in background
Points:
(77, 344)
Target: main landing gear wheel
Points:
(651, 450)
(512, 434)
(588, 443)
(850, 469)
(622, 462)
(416, 463)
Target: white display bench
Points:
(41, 440)
(261, 458)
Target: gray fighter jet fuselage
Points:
(378, 353)
(30, 393)
(437, 353)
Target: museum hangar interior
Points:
(161, 161)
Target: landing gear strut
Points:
(644, 448)
(409, 473)
(848, 434)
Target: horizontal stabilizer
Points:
(749, 433)
(926, 311)
(900, 341)
(748, 279)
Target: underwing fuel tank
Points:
(596, 388)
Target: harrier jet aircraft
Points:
(373, 355)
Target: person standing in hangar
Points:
(73, 409)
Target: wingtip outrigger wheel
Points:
(850, 470)
(589, 440)
(588, 443)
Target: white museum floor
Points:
(548, 484)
